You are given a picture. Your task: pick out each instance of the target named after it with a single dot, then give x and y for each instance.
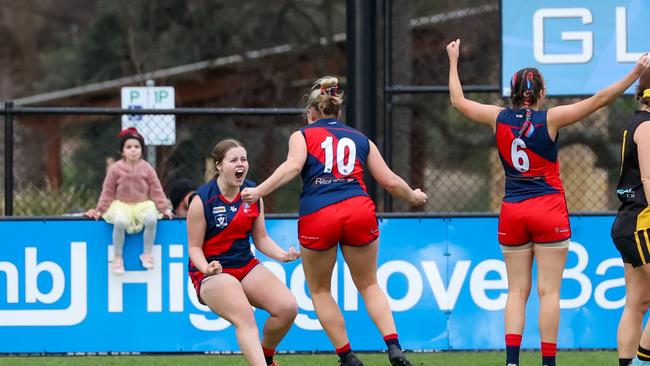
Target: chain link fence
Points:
(60, 160)
(455, 160)
(457, 164)
(60, 163)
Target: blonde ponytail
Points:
(325, 96)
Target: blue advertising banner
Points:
(444, 277)
(580, 46)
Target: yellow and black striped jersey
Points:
(633, 214)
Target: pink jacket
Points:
(131, 183)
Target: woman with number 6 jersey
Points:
(534, 222)
(335, 209)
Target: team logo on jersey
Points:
(221, 221)
(218, 209)
(247, 207)
(233, 208)
(626, 192)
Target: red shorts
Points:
(239, 273)
(542, 219)
(350, 222)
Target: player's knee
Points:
(365, 283)
(639, 304)
(548, 292)
(244, 320)
(286, 310)
(320, 288)
(644, 306)
(291, 309)
(520, 292)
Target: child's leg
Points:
(119, 227)
(150, 221)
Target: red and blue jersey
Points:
(229, 224)
(528, 154)
(336, 160)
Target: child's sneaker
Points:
(118, 266)
(147, 260)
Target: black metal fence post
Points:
(361, 70)
(388, 97)
(9, 159)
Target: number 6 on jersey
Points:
(518, 155)
(344, 168)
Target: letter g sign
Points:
(585, 37)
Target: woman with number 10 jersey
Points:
(335, 209)
(534, 222)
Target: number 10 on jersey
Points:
(343, 167)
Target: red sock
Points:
(513, 340)
(268, 354)
(549, 349)
(344, 350)
(392, 339)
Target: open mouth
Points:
(239, 173)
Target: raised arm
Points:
(478, 112)
(565, 115)
(268, 246)
(390, 181)
(284, 173)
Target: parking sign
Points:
(156, 129)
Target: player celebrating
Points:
(226, 275)
(534, 222)
(335, 208)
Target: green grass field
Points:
(574, 358)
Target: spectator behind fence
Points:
(179, 194)
(127, 200)
(534, 220)
(335, 210)
(630, 230)
(225, 273)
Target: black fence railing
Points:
(55, 158)
(93, 130)
(452, 159)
